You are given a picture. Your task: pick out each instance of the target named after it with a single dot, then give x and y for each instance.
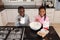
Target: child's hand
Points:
(37, 20)
(18, 19)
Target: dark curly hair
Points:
(20, 7)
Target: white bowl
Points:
(35, 25)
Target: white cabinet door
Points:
(31, 13)
(11, 14)
(50, 14)
(1, 24)
(57, 17)
(4, 17)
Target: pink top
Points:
(42, 21)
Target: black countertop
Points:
(52, 35)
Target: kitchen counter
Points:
(51, 36)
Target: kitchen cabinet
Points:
(50, 14)
(1, 24)
(34, 12)
(31, 13)
(57, 17)
(26, 3)
(4, 17)
(12, 13)
(54, 16)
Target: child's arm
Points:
(46, 24)
(36, 19)
(44, 31)
(17, 21)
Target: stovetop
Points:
(7, 33)
(11, 33)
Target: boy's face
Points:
(21, 12)
(42, 12)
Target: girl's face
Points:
(42, 12)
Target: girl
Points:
(43, 19)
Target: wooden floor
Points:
(55, 25)
(57, 28)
